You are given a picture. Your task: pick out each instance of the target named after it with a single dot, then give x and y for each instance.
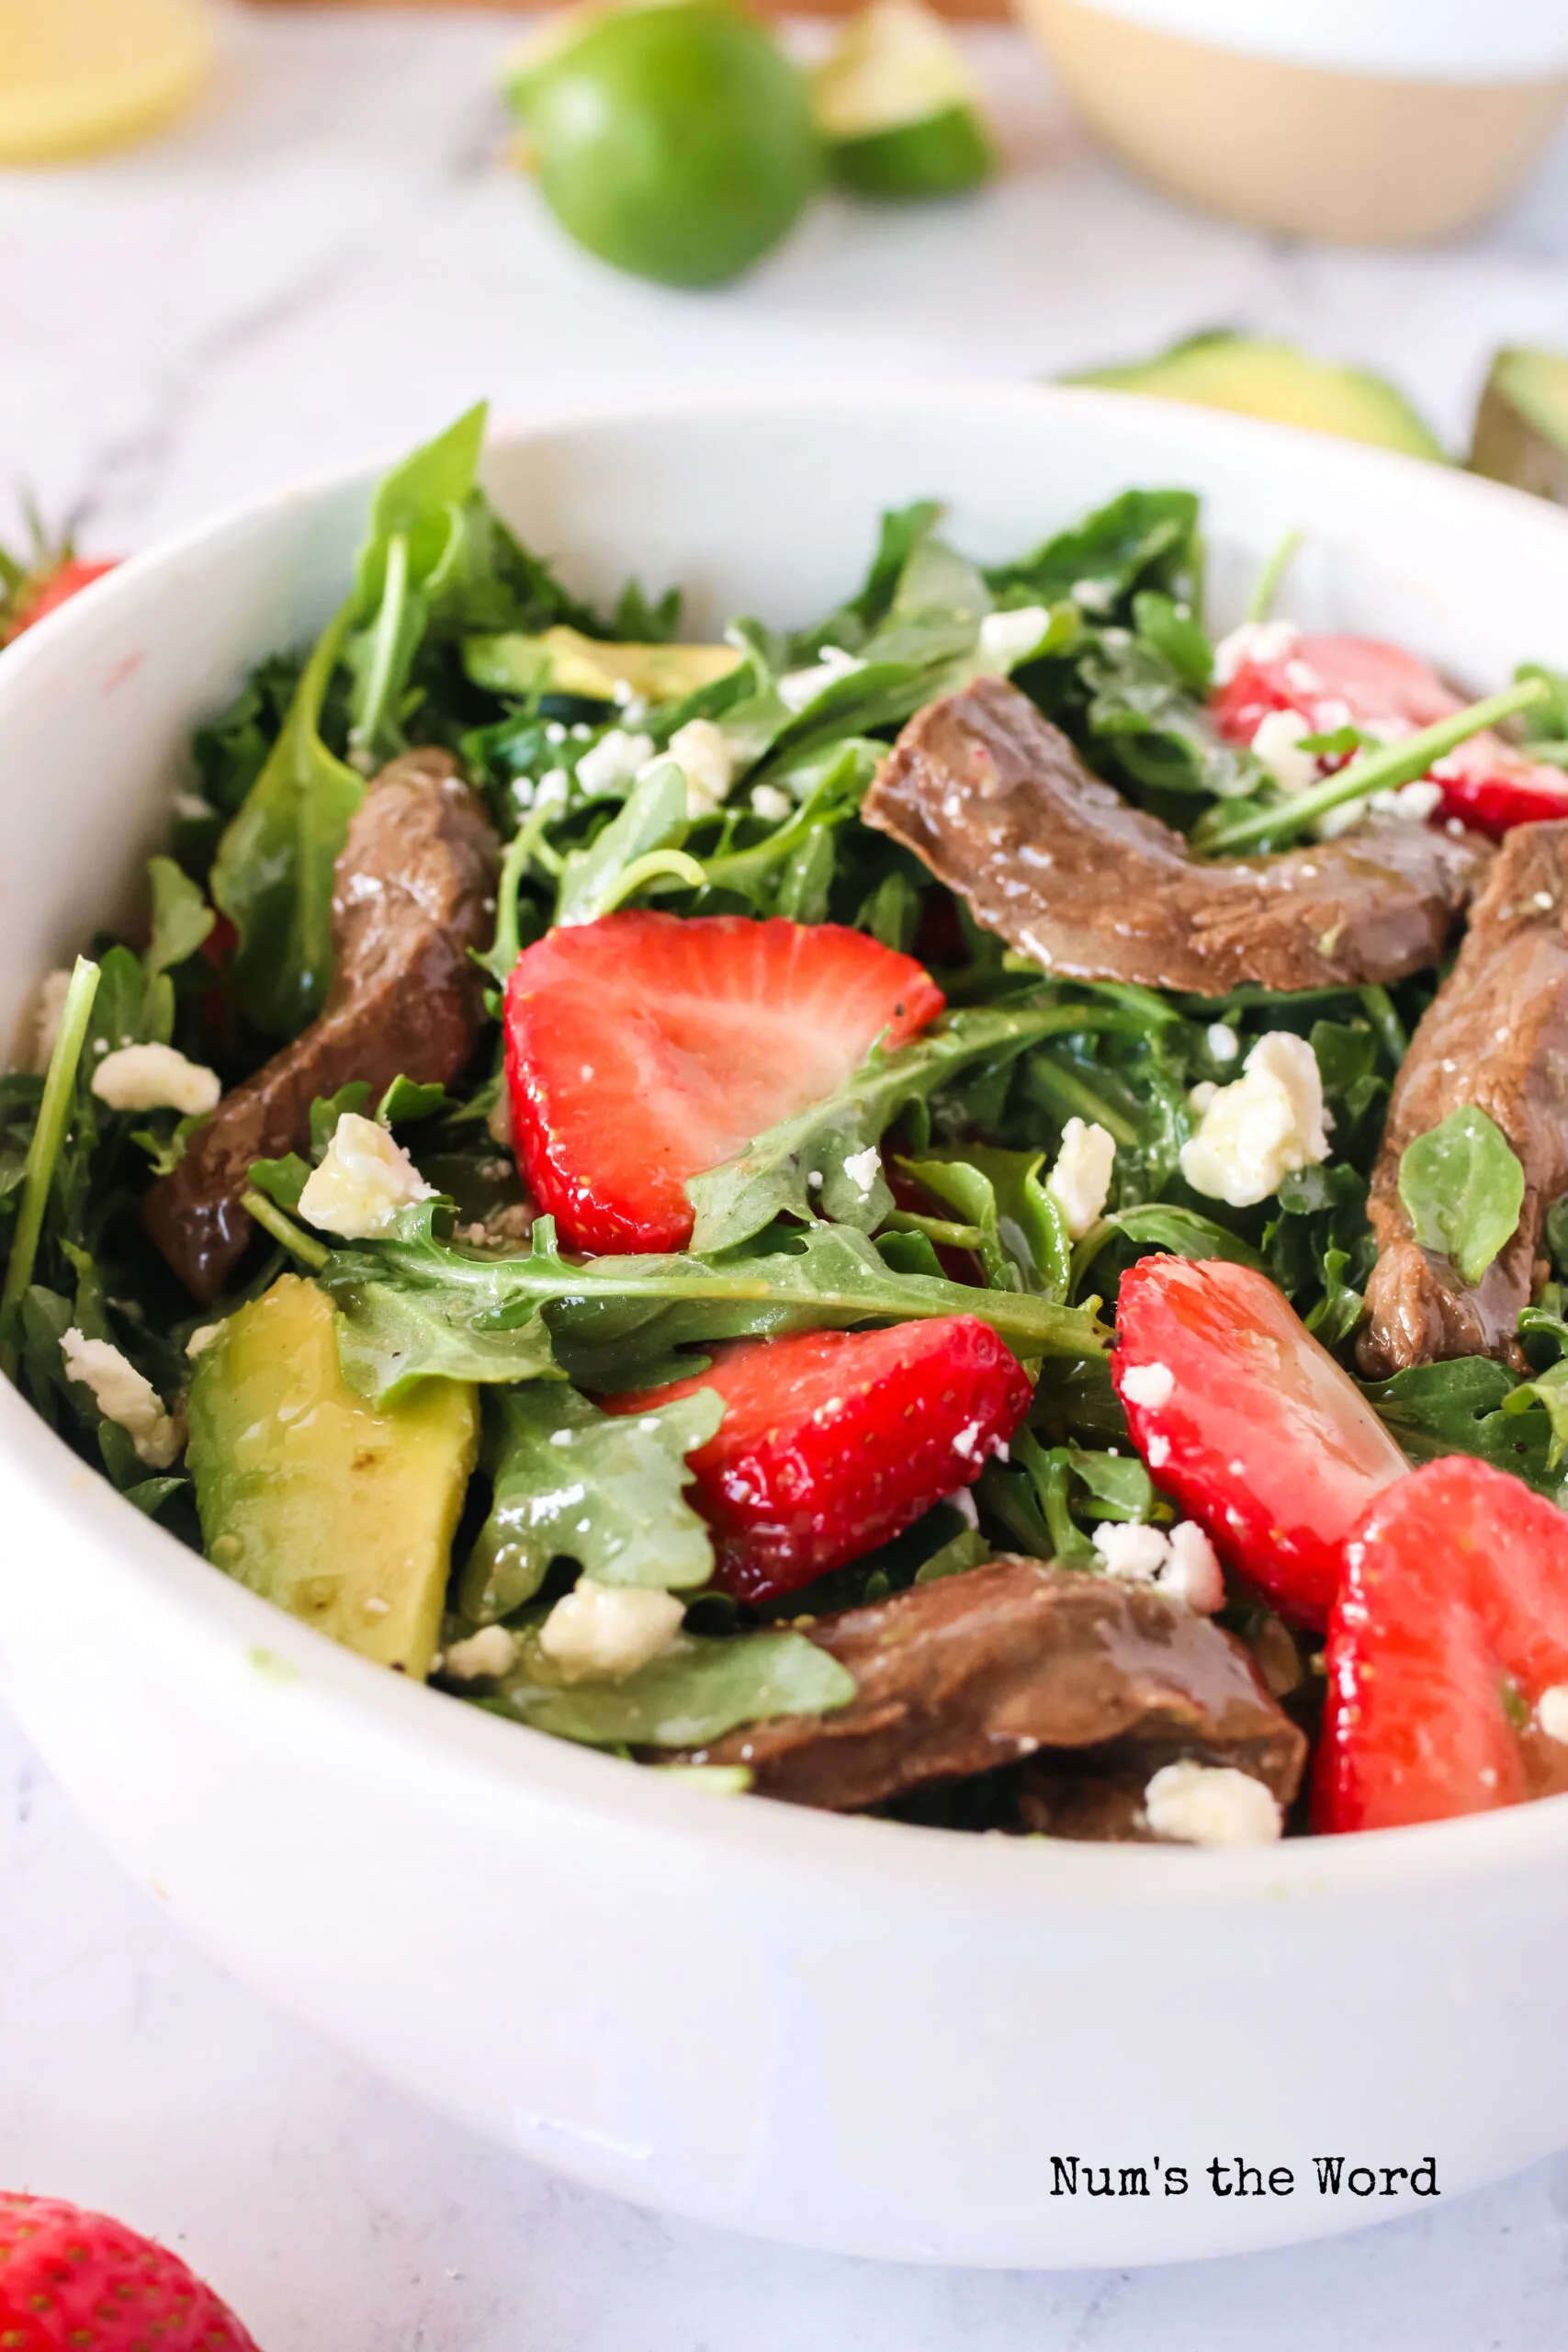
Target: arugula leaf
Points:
(44, 1152)
(182, 919)
(602, 1489)
(406, 1103)
(273, 875)
(692, 1694)
(1144, 538)
(1462, 1406)
(1463, 1189)
(638, 844)
(803, 1166)
(1144, 712)
(411, 1303)
(1022, 1242)
(413, 550)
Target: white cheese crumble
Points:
(770, 802)
(1259, 641)
(155, 1078)
(1263, 1126)
(363, 1179)
(1008, 638)
(497, 1124)
(962, 1502)
(1193, 1572)
(492, 1650)
(862, 1169)
(1180, 1562)
(613, 761)
(1128, 1550)
(1277, 744)
(1552, 1710)
(201, 1338)
(701, 752)
(1153, 1385)
(1211, 1804)
(608, 1631)
(1080, 1183)
(52, 996)
(123, 1396)
(797, 689)
(1222, 1043)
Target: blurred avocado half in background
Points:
(898, 107)
(1520, 435)
(1252, 376)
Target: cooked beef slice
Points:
(415, 890)
(998, 804)
(1008, 1661)
(1496, 1036)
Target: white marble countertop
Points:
(330, 260)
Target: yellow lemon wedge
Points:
(78, 75)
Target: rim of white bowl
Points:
(1419, 41)
(227, 1633)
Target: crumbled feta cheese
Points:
(1211, 1804)
(52, 996)
(1127, 1550)
(770, 802)
(1259, 641)
(555, 732)
(123, 1396)
(799, 688)
(1193, 1571)
(962, 1502)
(1222, 1043)
(1092, 596)
(862, 1169)
(1008, 638)
(609, 1630)
(1153, 1385)
(155, 1078)
(492, 1650)
(1157, 1450)
(1080, 1183)
(701, 752)
(553, 790)
(613, 761)
(1260, 1128)
(966, 1442)
(363, 1179)
(1418, 801)
(1552, 1710)
(201, 1338)
(1278, 744)
(1202, 1095)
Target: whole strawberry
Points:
(72, 2281)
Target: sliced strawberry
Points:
(833, 1441)
(47, 592)
(70, 2278)
(1450, 1625)
(1332, 681)
(1249, 1423)
(643, 1049)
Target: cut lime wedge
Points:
(898, 108)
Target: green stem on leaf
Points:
(271, 1219)
(1265, 587)
(43, 1152)
(1379, 771)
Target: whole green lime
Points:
(674, 140)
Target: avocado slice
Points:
(1521, 425)
(563, 662)
(341, 1511)
(1277, 381)
(898, 108)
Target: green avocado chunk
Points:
(562, 661)
(1521, 425)
(341, 1511)
(1277, 381)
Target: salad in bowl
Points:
(957, 1211)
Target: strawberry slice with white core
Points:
(1334, 682)
(1448, 1653)
(1249, 1423)
(645, 1048)
(833, 1441)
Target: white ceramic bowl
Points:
(843, 2032)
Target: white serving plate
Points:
(844, 2033)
